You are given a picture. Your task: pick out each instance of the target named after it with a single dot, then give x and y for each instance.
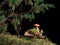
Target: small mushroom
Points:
(37, 27)
(39, 31)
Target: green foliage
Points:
(1, 11)
(2, 18)
(42, 7)
(15, 21)
(28, 16)
(33, 30)
(14, 2)
(39, 0)
(37, 6)
(3, 28)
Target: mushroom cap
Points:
(36, 25)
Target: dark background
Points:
(49, 21)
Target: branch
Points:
(3, 3)
(6, 17)
(31, 10)
(28, 11)
(19, 13)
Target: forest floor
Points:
(7, 39)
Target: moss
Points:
(7, 39)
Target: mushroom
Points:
(39, 32)
(37, 27)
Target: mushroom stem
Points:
(37, 29)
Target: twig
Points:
(31, 10)
(3, 3)
(6, 17)
(28, 11)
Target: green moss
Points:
(6, 39)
